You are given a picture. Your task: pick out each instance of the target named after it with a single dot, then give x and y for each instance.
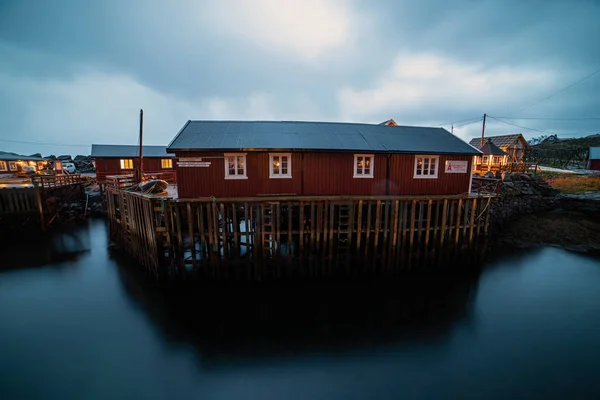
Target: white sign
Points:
(456, 167)
(190, 159)
(203, 164)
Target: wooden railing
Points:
(120, 181)
(54, 181)
(485, 185)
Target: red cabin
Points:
(245, 158)
(112, 159)
(593, 161)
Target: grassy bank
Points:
(573, 183)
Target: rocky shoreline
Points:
(529, 212)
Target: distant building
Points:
(11, 163)
(593, 161)
(112, 159)
(513, 145)
(492, 159)
(265, 158)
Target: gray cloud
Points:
(78, 73)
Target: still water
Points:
(85, 325)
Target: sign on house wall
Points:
(456, 167)
(192, 162)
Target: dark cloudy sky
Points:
(77, 72)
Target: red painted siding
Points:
(210, 181)
(112, 166)
(332, 173)
(402, 181)
(594, 164)
(318, 174)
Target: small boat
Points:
(153, 186)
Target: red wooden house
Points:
(111, 159)
(242, 158)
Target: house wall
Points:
(317, 174)
(594, 164)
(403, 182)
(112, 166)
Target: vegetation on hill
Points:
(562, 153)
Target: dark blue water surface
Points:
(86, 325)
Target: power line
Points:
(538, 130)
(560, 91)
(462, 120)
(469, 123)
(44, 144)
(555, 118)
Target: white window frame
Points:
(12, 165)
(430, 157)
(280, 175)
(362, 174)
(122, 163)
(3, 166)
(162, 160)
(226, 163)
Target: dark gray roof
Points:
(501, 140)
(329, 136)
(489, 148)
(119, 150)
(4, 156)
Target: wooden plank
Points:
(236, 231)
(331, 228)
(225, 230)
(444, 217)
(277, 226)
(312, 226)
(215, 223)
(301, 228)
(428, 227)
(377, 223)
(467, 205)
(386, 227)
(200, 216)
(473, 214)
(458, 219)
(412, 224)
(396, 217)
(246, 227)
(368, 227)
(325, 226)
(209, 225)
(359, 225)
(319, 225)
(290, 238)
(190, 218)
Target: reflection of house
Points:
(256, 158)
(593, 161)
(514, 145)
(112, 159)
(492, 159)
(11, 163)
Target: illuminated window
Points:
(363, 165)
(235, 166)
(2, 165)
(426, 166)
(12, 165)
(496, 160)
(485, 159)
(127, 164)
(281, 165)
(166, 163)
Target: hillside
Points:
(563, 153)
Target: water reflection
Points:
(63, 246)
(238, 324)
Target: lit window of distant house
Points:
(235, 166)
(496, 160)
(12, 165)
(166, 163)
(281, 165)
(485, 160)
(363, 165)
(426, 166)
(127, 163)
(2, 165)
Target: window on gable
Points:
(127, 163)
(280, 165)
(235, 166)
(2, 165)
(426, 166)
(12, 165)
(166, 163)
(363, 165)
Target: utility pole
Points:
(452, 131)
(141, 170)
(483, 129)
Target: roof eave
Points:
(474, 152)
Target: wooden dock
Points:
(39, 204)
(279, 236)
